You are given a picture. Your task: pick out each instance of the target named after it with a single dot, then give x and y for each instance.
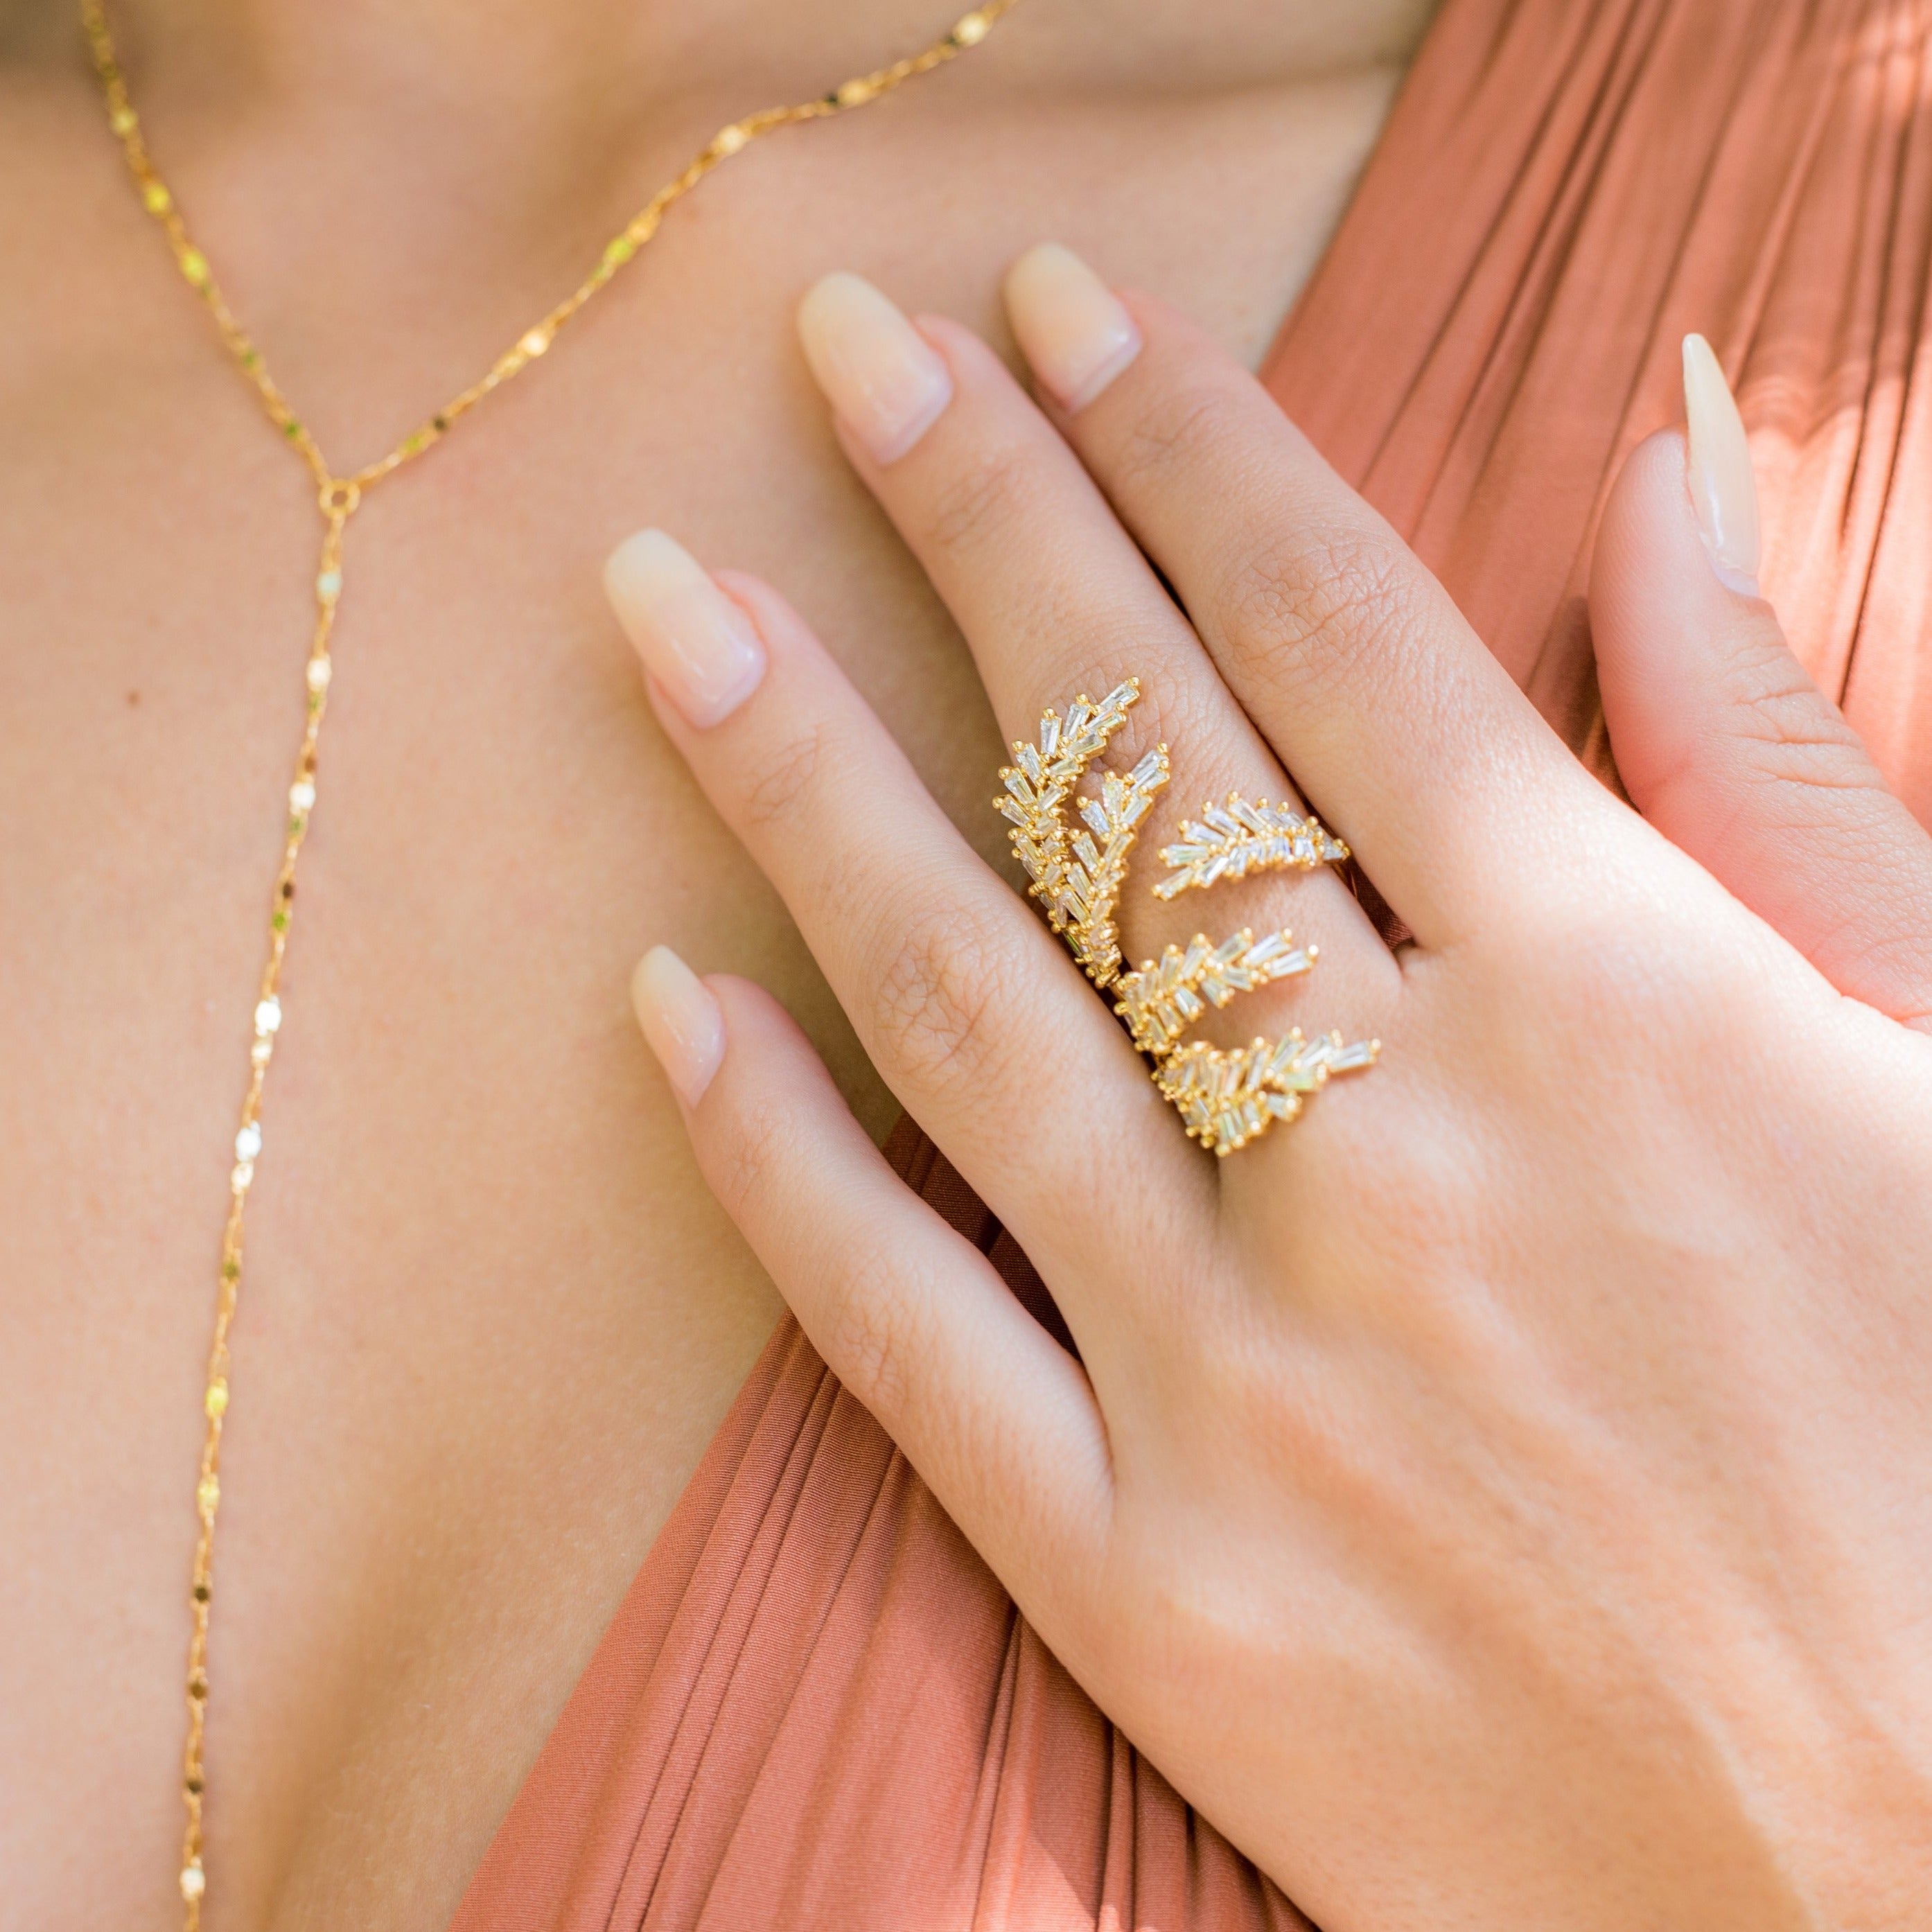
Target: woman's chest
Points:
(489, 1317)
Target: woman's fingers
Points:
(911, 1318)
(1055, 599)
(967, 1006)
(1722, 740)
(1051, 593)
(1397, 723)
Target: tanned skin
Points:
(491, 1317)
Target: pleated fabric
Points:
(1567, 187)
(816, 1708)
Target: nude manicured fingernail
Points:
(1074, 330)
(886, 382)
(1722, 487)
(681, 1020)
(698, 644)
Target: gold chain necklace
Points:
(337, 497)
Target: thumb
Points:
(1722, 740)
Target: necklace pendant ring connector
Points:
(338, 497)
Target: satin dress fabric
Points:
(816, 1708)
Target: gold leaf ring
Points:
(1226, 1099)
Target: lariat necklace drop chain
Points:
(337, 497)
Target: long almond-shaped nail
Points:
(681, 1020)
(1075, 332)
(1722, 487)
(886, 382)
(700, 646)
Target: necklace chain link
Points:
(337, 498)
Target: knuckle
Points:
(1174, 709)
(1313, 609)
(936, 1000)
(987, 497)
(753, 1140)
(1194, 422)
(784, 781)
(869, 1344)
(1796, 736)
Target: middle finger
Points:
(1055, 599)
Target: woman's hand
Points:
(1499, 1497)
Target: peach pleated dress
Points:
(817, 1707)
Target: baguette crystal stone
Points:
(1078, 876)
(1225, 1099)
(1165, 997)
(1230, 841)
